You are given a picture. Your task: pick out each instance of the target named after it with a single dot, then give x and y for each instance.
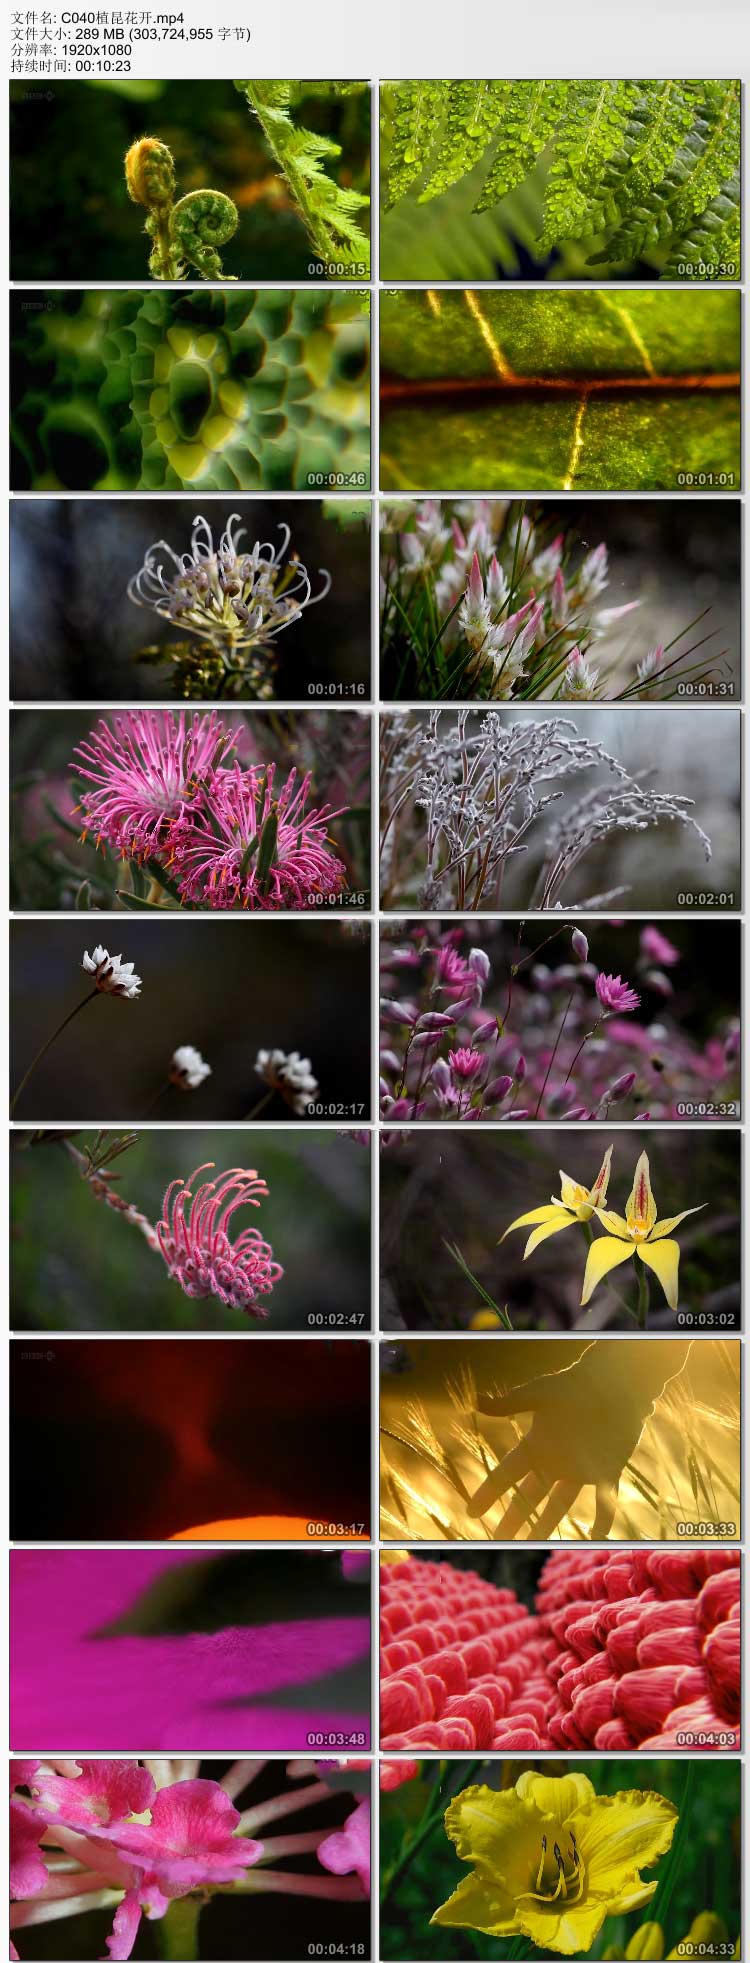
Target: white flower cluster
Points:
(291, 1075)
(188, 1069)
(112, 975)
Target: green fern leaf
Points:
(329, 211)
(473, 113)
(529, 120)
(589, 134)
(705, 160)
(714, 239)
(412, 115)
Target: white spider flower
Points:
(188, 1069)
(233, 598)
(291, 1075)
(112, 975)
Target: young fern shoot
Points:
(186, 234)
(330, 212)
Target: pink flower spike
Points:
(193, 1238)
(191, 1841)
(657, 948)
(216, 849)
(146, 766)
(27, 1870)
(348, 1851)
(615, 994)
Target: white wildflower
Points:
(291, 1075)
(188, 1070)
(112, 975)
(650, 664)
(580, 680)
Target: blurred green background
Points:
(72, 218)
(76, 1264)
(463, 1187)
(701, 1872)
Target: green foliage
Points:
(330, 212)
(555, 390)
(186, 233)
(631, 167)
(201, 391)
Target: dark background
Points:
(230, 987)
(72, 218)
(466, 1185)
(145, 1439)
(74, 633)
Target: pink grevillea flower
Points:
(615, 994)
(192, 1236)
(145, 766)
(348, 1851)
(254, 849)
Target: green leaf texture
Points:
(254, 390)
(558, 391)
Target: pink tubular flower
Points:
(249, 848)
(27, 1869)
(146, 766)
(348, 1851)
(192, 1236)
(191, 1840)
(615, 994)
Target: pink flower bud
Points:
(435, 1019)
(520, 1070)
(498, 1089)
(579, 944)
(397, 1013)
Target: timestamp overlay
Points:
(376, 1371)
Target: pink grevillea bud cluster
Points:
(626, 1651)
(193, 1237)
(165, 790)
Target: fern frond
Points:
(330, 213)
(529, 120)
(697, 171)
(473, 113)
(587, 137)
(714, 239)
(412, 115)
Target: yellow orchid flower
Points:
(575, 1203)
(637, 1234)
(552, 1859)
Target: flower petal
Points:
(479, 1903)
(618, 1836)
(664, 1258)
(665, 1226)
(543, 1233)
(603, 1255)
(552, 1212)
(640, 1210)
(124, 1928)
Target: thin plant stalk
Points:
(48, 1045)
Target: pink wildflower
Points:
(657, 948)
(193, 1238)
(349, 1850)
(466, 1064)
(217, 853)
(615, 994)
(145, 768)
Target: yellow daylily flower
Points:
(552, 1859)
(647, 1945)
(641, 1233)
(575, 1203)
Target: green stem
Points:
(260, 1106)
(48, 1045)
(179, 1930)
(151, 1106)
(434, 1817)
(658, 1909)
(643, 1295)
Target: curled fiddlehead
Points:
(186, 233)
(200, 222)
